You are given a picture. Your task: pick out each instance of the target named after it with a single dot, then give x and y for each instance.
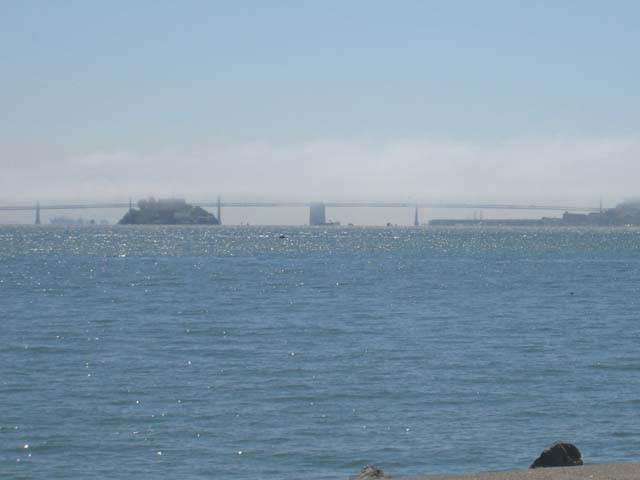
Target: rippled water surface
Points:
(195, 353)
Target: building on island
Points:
(167, 211)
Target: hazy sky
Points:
(453, 100)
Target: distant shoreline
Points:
(624, 214)
(553, 223)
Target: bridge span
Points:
(316, 209)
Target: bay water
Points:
(230, 352)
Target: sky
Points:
(507, 101)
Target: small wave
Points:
(626, 434)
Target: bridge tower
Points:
(219, 211)
(317, 214)
(416, 220)
(37, 213)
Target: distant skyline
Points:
(452, 101)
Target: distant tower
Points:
(416, 220)
(37, 213)
(317, 214)
(130, 205)
(219, 211)
(601, 205)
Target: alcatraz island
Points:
(167, 211)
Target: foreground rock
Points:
(370, 472)
(560, 454)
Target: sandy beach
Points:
(609, 471)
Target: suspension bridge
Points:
(316, 209)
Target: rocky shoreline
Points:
(561, 461)
(607, 471)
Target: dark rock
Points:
(370, 472)
(560, 454)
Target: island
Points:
(167, 211)
(622, 215)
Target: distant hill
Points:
(626, 213)
(170, 211)
(623, 214)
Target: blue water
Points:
(197, 353)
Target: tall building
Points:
(317, 214)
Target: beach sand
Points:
(608, 471)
